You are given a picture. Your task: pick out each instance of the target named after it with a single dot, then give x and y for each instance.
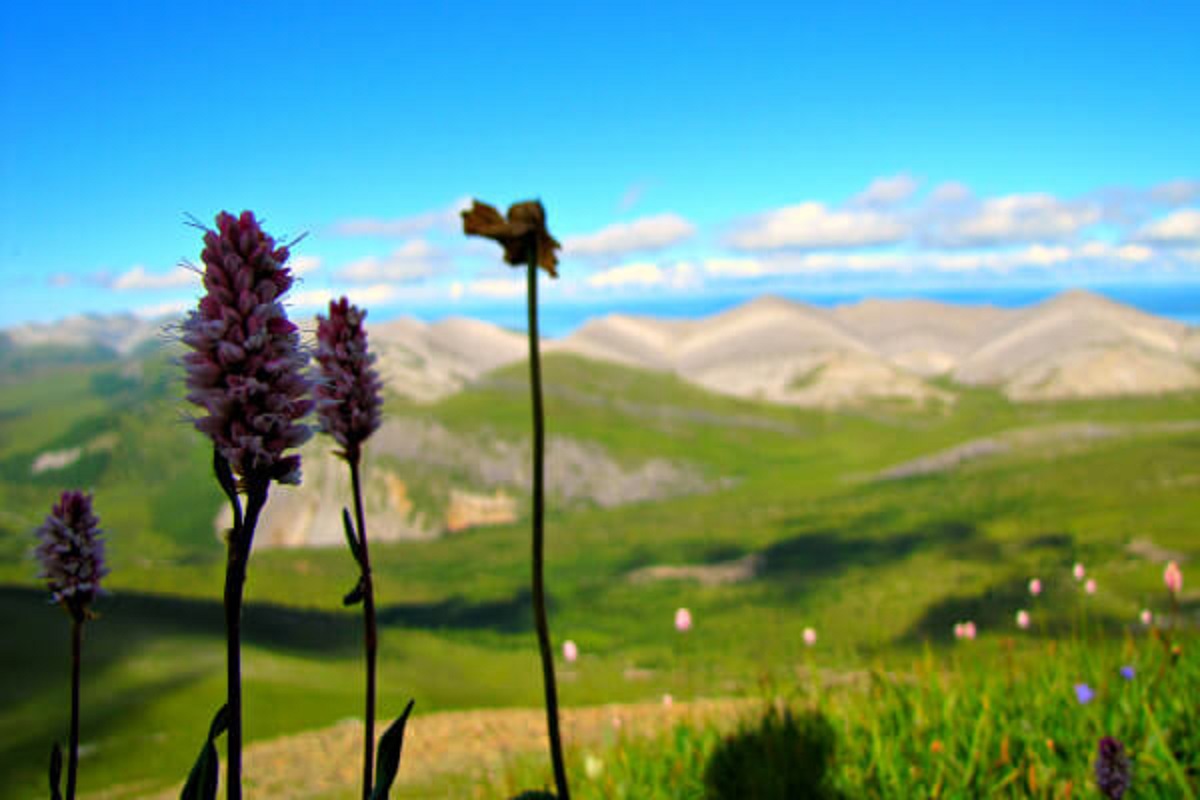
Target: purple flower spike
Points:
(71, 552)
(348, 394)
(1112, 769)
(1084, 693)
(247, 367)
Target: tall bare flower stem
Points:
(235, 581)
(372, 637)
(73, 747)
(539, 590)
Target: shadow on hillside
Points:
(825, 553)
(38, 631)
(994, 609)
(508, 615)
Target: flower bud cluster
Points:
(246, 368)
(71, 552)
(348, 393)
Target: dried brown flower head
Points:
(526, 221)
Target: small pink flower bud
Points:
(1090, 586)
(668, 701)
(1173, 578)
(969, 630)
(1146, 617)
(1078, 572)
(810, 637)
(1023, 619)
(683, 620)
(1035, 587)
(570, 651)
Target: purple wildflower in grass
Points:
(348, 392)
(348, 397)
(246, 368)
(1128, 673)
(71, 552)
(1112, 768)
(1084, 693)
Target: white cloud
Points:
(949, 193)
(495, 288)
(139, 278)
(1176, 193)
(1035, 256)
(1015, 219)
(363, 296)
(414, 260)
(1179, 227)
(647, 233)
(812, 225)
(445, 218)
(632, 196)
(887, 192)
(171, 307)
(304, 265)
(642, 273)
(734, 267)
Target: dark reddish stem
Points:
(235, 580)
(371, 638)
(539, 591)
(73, 747)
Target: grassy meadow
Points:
(881, 569)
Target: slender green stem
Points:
(235, 581)
(73, 747)
(539, 593)
(371, 637)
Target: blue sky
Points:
(683, 150)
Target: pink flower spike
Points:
(683, 620)
(668, 701)
(969, 630)
(1023, 619)
(348, 391)
(1078, 572)
(1173, 578)
(1035, 587)
(958, 630)
(1090, 586)
(1147, 617)
(810, 637)
(70, 551)
(570, 651)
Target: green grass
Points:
(881, 569)
(953, 727)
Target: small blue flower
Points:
(1127, 673)
(1084, 693)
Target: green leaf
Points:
(387, 761)
(224, 475)
(55, 772)
(356, 594)
(352, 538)
(202, 782)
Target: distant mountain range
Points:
(1074, 345)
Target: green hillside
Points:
(878, 567)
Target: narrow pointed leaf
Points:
(55, 772)
(352, 537)
(355, 596)
(202, 782)
(387, 761)
(224, 475)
